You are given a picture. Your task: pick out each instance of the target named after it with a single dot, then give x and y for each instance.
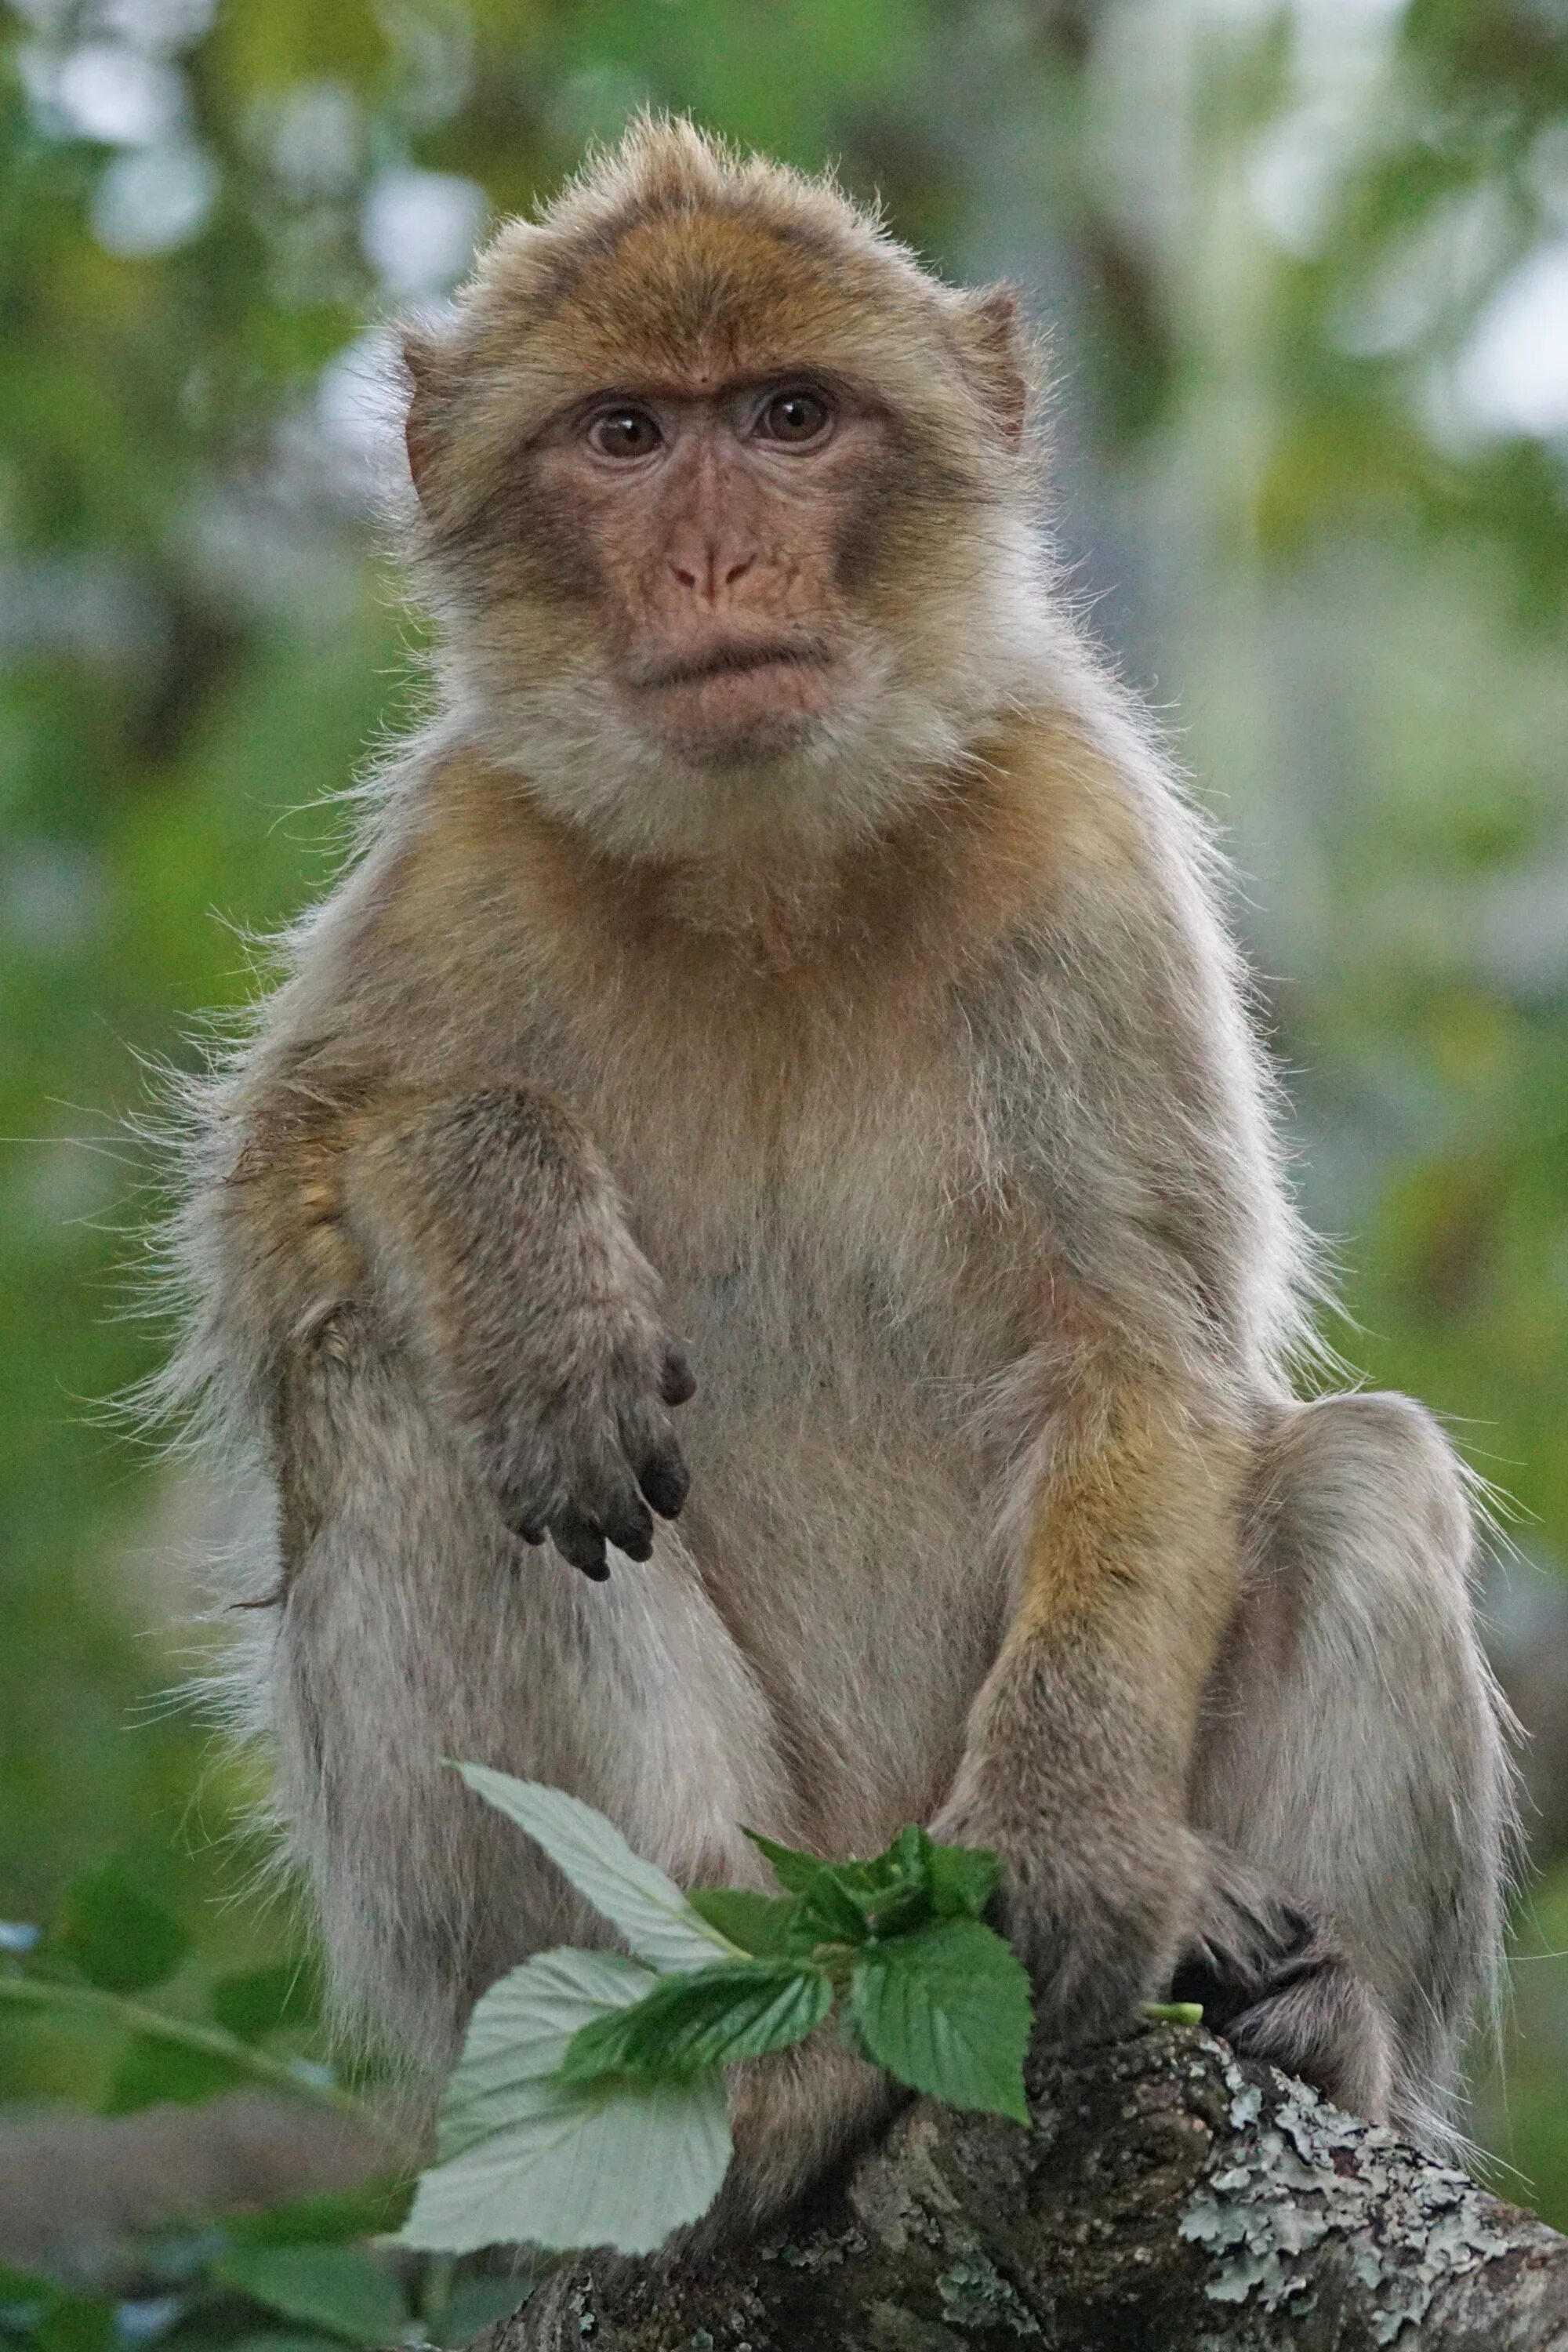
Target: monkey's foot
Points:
(1279, 1987)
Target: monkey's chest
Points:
(841, 1519)
(840, 1294)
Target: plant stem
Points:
(41, 1992)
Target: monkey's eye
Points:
(794, 417)
(624, 433)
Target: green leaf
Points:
(911, 1883)
(527, 2159)
(759, 1924)
(345, 2290)
(567, 2168)
(518, 2034)
(963, 1879)
(795, 1870)
(573, 2167)
(649, 1908)
(825, 1914)
(689, 2024)
(474, 2304)
(152, 2072)
(254, 2003)
(120, 1936)
(1174, 2012)
(328, 2220)
(947, 2010)
(829, 1913)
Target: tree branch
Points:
(1171, 2197)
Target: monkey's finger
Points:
(522, 1520)
(665, 1481)
(677, 1382)
(580, 1540)
(648, 1444)
(631, 1530)
(608, 1495)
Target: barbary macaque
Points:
(749, 1246)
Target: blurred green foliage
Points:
(309, 2276)
(1300, 265)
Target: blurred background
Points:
(1305, 274)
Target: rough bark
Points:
(1171, 2197)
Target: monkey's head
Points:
(723, 503)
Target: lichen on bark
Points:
(1168, 2197)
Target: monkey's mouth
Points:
(735, 661)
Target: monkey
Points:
(747, 1254)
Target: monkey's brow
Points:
(690, 391)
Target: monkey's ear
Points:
(994, 348)
(419, 357)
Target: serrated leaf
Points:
(793, 1869)
(829, 1915)
(947, 2010)
(758, 1924)
(519, 2032)
(850, 1902)
(120, 1936)
(635, 1897)
(344, 2290)
(566, 2167)
(526, 2160)
(826, 1915)
(689, 2024)
(850, 2035)
(253, 2003)
(963, 1879)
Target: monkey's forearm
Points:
(1079, 1746)
(485, 1229)
(494, 1219)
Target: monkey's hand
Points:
(498, 1227)
(1093, 1902)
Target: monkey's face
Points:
(717, 524)
(722, 503)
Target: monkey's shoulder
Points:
(478, 934)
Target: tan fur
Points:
(901, 1069)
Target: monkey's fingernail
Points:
(582, 1542)
(634, 1535)
(666, 1482)
(679, 1382)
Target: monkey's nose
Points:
(716, 574)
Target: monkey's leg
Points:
(1078, 1752)
(416, 1629)
(452, 1336)
(1352, 1759)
